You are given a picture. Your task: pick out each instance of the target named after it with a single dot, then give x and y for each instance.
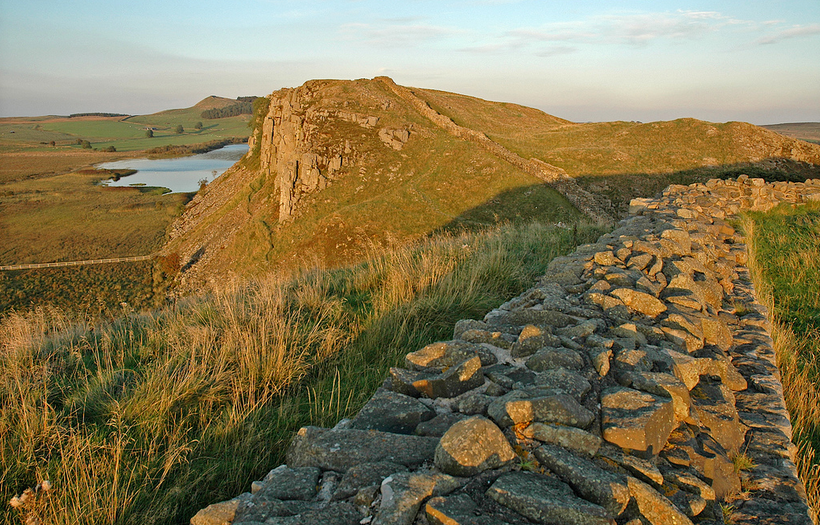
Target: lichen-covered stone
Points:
(571, 438)
(654, 507)
(514, 409)
(546, 500)
(607, 489)
(392, 412)
(636, 420)
(471, 447)
(339, 450)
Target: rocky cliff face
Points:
(346, 164)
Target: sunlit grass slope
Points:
(149, 418)
(785, 244)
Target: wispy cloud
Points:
(792, 32)
(397, 32)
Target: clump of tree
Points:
(179, 129)
(84, 144)
(110, 149)
(242, 106)
(198, 125)
(149, 133)
(74, 115)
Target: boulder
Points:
(640, 301)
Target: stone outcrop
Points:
(640, 426)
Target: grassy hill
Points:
(438, 179)
(125, 133)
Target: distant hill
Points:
(808, 131)
(338, 166)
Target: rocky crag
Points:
(623, 388)
(345, 165)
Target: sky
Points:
(749, 60)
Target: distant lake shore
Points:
(181, 174)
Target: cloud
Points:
(792, 32)
(397, 33)
(555, 51)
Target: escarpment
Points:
(621, 388)
(337, 167)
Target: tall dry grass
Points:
(784, 249)
(152, 416)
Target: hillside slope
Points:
(338, 166)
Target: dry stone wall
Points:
(619, 389)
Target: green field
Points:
(123, 133)
(785, 244)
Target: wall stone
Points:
(617, 389)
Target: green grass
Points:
(151, 417)
(785, 248)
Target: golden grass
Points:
(150, 417)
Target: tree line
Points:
(242, 106)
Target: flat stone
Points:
(513, 409)
(571, 438)
(691, 504)
(636, 420)
(457, 509)
(715, 332)
(290, 483)
(440, 424)
(664, 385)
(454, 381)
(392, 412)
(404, 493)
(474, 403)
(605, 488)
(639, 467)
(471, 447)
(365, 475)
(551, 358)
(580, 330)
(335, 513)
(546, 500)
(654, 507)
(259, 510)
(690, 483)
(499, 339)
(445, 354)
(570, 382)
(531, 339)
(714, 405)
(640, 301)
(219, 513)
(339, 450)
(685, 367)
(535, 317)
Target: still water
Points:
(181, 174)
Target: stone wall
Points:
(624, 387)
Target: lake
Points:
(180, 175)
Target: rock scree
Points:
(619, 389)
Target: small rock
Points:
(365, 475)
(392, 412)
(403, 494)
(571, 438)
(640, 302)
(471, 447)
(551, 358)
(513, 409)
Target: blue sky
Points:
(583, 60)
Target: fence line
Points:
(33, 266)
